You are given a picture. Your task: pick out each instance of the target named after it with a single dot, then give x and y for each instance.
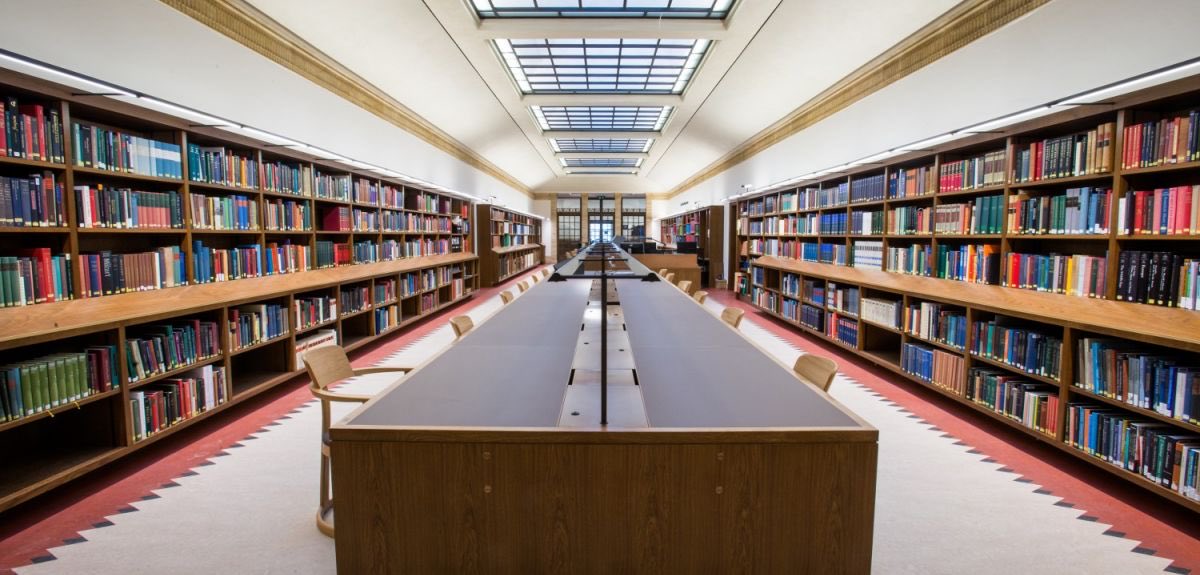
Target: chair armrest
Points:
(381, 369)
(346, 397)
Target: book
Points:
(1153, 450)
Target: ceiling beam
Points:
(591, 134)
(602, 100)
(711, 29)
(602, 154)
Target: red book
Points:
(3, 130)
(1172, 203)
(1156, 215)
(36, 114)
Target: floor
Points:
(956, 492)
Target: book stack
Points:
(314, 310)
(106, 273)
(1034, 405)
(1023, 348)
(972, 173)
(1078, 211)
(394, 221)
(162, 404)
(1127, 372)
(385, 291)
(833, 254)
(1076, 275)
(34, 276)
(123, 208)
(235, 212)
(428, 302)
(251, 324)
(115, 151)
(790, 309)
(1171, 140)
(813, 291)
(1160, 212)
(882, 311)
(35, 201)
(790, 285)
(32, 386)
(218, 165)
(287, 215)
(1080, 154)
(833, 224)
(838, 195)
(31, 131)
(393, 197)
(390, 250)
(157, 349)
(226, 264)
(764, 298)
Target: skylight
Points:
(601, 144)
(605, 66)
(602, 8)
(606, 118)
(601, 162)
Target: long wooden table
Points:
(462, 467)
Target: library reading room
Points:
(861, 287)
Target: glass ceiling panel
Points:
(601, 162)
(602, 66)
(714, 9)
(601, 144)
(606, 118)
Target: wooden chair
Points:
(462, 325)
(686, 286)
(700, 296)
(545, 272)
(522, 286)
(733, 316)
(816, 370)
(670, 278)
(663, 272)
(534, 278)
(326, 366)
(506, 297)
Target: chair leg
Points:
(325, 510)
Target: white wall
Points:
(149, 47)
(1062, 48)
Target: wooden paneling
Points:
(684, 266)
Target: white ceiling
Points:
(768, 58)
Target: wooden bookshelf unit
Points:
(1045, 295)
(706, 227)
(264, 249)
(509, 245)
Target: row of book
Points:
(1025, 348)
(868, 254)
(812, 317)
(156, 407)
(983, 215)
(287, 215)
(882, 311)
(1160, 212)
(833, 254)
(867, 189)
(1158, 278)
(972, 173)
(330, 254)
(866, 223)
(1077, 211)
(806, 224)
(33, 201)
(935, 366)
(116, 151)
(428, 302)
(386, 318)
(1079, 154)
(332, 186)
(256, 323)
(971, 263)
(408, 222)
(366, 192)
(32, 386)
(910, 220)
(226, 264)
(936, 322)
(507, 241)
(1077, 275)
(385, 290)
(1032, 404)
(811, 290)
(911, 182)
(1170, 140)
(788, 308)
(286, 178)
(365, 220)
(353, 299)
(219, 165)
(366, 252)
(764, 298)
(1154, 450)
(233, 212)
(833, 224)
(1139, 376)
(915, 260)
(157, 349)
(515, 229)
(335, 219)
(314, 310)
(35, 276)
(106, 273)
(842, 298)
(511, 264)
(842, 328)
(31, 131)
(124, 208)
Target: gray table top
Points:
(696, 372)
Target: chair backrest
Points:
(816, 370)
(670, 278)
(534, 278)
(522, 286)
(545, 272)
(326, 365)
(663, 272)
(461, 325)
(733, 316)
(700, 296)
(506, 296)
(686, 286)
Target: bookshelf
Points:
(1037, 240)
(706, 227)
(237, 256)
(509, 245)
